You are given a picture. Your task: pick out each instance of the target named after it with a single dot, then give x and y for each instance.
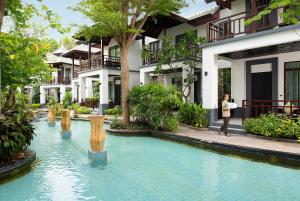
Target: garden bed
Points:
(17, 167)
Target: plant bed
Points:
(272, 126)
(16, 167)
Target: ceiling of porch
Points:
(264, 51)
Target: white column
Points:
(144, 77)
(238, 81)
(89, 87)
(82, 86)
(74, 90)
(103, 86)
(210, 80)
(42, 96)
(62, 93)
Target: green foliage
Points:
(273, 126)
(117, 124)
(81, 109)
(51, 101)
(22, 60)
(114, 111)
(22, 99)
(69, 43)
(291, 15)
(67, 99)
(152, 104)
(193, 115)
(116, 18)
(16, 133)
(168, 53)
(35, 106)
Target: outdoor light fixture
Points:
(205, 73)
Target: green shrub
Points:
(80, 109)
(273, 126)
(193, 115)
(16, 134)
(117, 124)
(36, 106)
(67, 99)
(114, 111)
(51, 101)
(152, 104)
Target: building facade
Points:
(264, 57)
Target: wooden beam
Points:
(90, 55)
(253, 13)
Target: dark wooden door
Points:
(197, 88)
(261, 91)
(118, 94)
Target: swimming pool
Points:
(143, 169)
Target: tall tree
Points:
(2, 10)
(123, 20)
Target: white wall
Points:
(238, 74)
(177, 30)
(134, 54)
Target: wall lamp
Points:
(205, 73)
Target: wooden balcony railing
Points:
(100, 62)
(194, 51)
(90, 102)
(234, 25)
(254, 108)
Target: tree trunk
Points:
(2, 10)
(125, 83)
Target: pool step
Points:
(233, 128)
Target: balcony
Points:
(99, 61)
(194, 51)
(234, 25)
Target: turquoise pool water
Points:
(144, 169)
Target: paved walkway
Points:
(241, 140)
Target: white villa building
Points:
(258, 65)
(98, 82)
(62, 75)
(264, 57)
(174, 27)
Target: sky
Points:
(69, 17)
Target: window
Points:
(177, 82)
(292, 80)
(68, 74)
(114, 51)
(96, 88)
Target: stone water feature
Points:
(97, 139)
(51, 116)
(66, 124)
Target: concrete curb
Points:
(11, 170)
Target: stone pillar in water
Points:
(65, 123)
(97, 139)
(51, 116)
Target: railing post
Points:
(253, 13)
